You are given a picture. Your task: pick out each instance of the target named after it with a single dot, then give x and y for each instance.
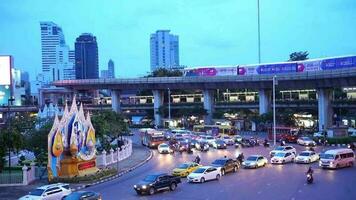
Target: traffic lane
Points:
(270, 182)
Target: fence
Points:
(107, 158)
(17, 178)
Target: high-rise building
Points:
(104, 73)
(86, 57)
(164, 48)
(55, 53)
(111, 69)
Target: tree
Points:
(163, 72)
(300, 55)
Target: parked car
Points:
(255, 161)
(283, 149)
(83, 195)
(203, 174)
(184, 169)
(306, 141)
(157, 182)
(49, 192)
(219, 144)
(283, 157)
(164, 148)
(226, 165)
(337, 158)
(228, 140)
(307, 157)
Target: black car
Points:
(226, 165)
(247, 142)
(202, 146)
(219, 144)
(157, 182)
(83, 195)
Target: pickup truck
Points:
(226, 165)
(157, 182)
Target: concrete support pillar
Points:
(157, 102)
(264, 101)
(325, 111)
(208, 106)
(115, 101)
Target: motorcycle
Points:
(310, 178)
(237, 145)
(266, 144)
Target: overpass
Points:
(322, 81)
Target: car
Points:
(46, 192)
(306, 141)
(279, 149)
(193, 142)
(164, 148)
(228, 140)
(202, 146)
(184, 169)
(283, 157)
(337, 158)
(255, 161)
(207, 138)
(226, 165)
(83, 195)
(289, 138)
(237, 138)
(307, 157)
(245, 142)
(219, 144)
(157, 182)
(203, 174)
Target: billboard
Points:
(5, 70)
(338, 63)
(211, 71)
(5, 93)
(309, 65)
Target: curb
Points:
(117, 175)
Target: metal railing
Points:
(16, 177)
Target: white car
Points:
(207, 138)
(283, 149)
(49, 192)
(238, 138)
(228, 140)
(283, 157)
(164, 148)
(203, 174)
(255, 161)
(306, 141)
(307, 157)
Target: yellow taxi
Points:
(185, 169)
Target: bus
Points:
(215, 129)
(289, 134)
(151, 137)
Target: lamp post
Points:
(259, 31)
(10, 100)
(169, 106)
(274, 109)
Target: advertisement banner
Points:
(277, 68)
(338, 63)
(211, 71)
(247, 70)
(307, 66)
(5, 93)
(5, 70)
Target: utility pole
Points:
(274, 109)
(259, 31)
(169, 106)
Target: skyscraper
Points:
(86, 57)
(111, 69)
(55, 52)
(164, 48)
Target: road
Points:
(285, 182)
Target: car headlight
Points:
(135, 186)
(144, 187)
(243, 163)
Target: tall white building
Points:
(56, 56)
(164, 48)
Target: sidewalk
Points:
(139, 156)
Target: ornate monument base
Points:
(73, 167)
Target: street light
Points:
(169, 106)
(10, 100)
(259, 31)
(274, 82)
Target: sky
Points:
(210, 32)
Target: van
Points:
(337, 158)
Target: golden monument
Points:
(71, 144)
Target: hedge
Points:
(341, 140)
(101, 174)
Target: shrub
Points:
(341, 140)
(101, 174)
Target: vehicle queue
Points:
(185, 141)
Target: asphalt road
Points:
(285, 182)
